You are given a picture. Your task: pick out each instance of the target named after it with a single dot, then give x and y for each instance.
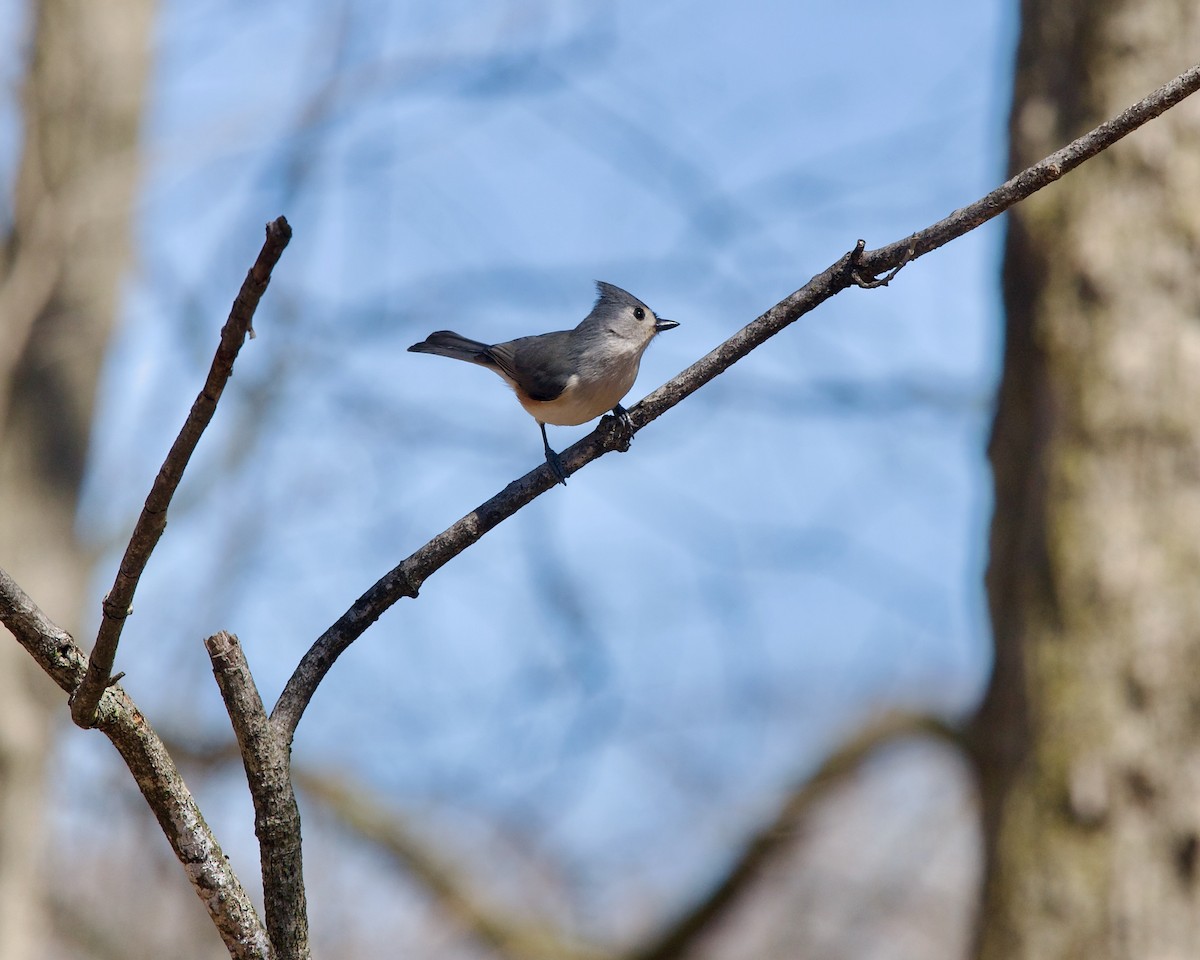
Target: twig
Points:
(874, 283)
(858, 267)
(119, 719)
(779, 834)
(276, 816)
(118, 604)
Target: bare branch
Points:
(1029, 181)
(857, 267)
(118, 604)
(276, 816)
(119, 719)
(779, 834)
(402, 581)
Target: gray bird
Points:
(571, 376)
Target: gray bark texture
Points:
(1088, 741)
(61, 262)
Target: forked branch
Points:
(119, 719)
(97, 701)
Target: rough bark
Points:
(60, 266)
(1089, 738)
(266, 756)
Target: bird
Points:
(567, 377)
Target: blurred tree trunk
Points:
(1089, 737)
(60, 270)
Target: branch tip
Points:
(118, 602)
(279, 229)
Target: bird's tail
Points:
(447, 343)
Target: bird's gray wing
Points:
(540, 366)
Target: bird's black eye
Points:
(639, 313)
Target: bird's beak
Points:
(660, 325)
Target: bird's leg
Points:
(552, 458)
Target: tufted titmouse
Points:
(571, 376)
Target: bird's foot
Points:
(556, 466)
(621, 429)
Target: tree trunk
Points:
(60, 269)
(1089, 737)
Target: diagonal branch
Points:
(859, 267)
(119, 719)
(1032, 179)
(771, 839)
(118, 604)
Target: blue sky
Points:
(641, 661)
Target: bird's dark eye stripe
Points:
(639, 313)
